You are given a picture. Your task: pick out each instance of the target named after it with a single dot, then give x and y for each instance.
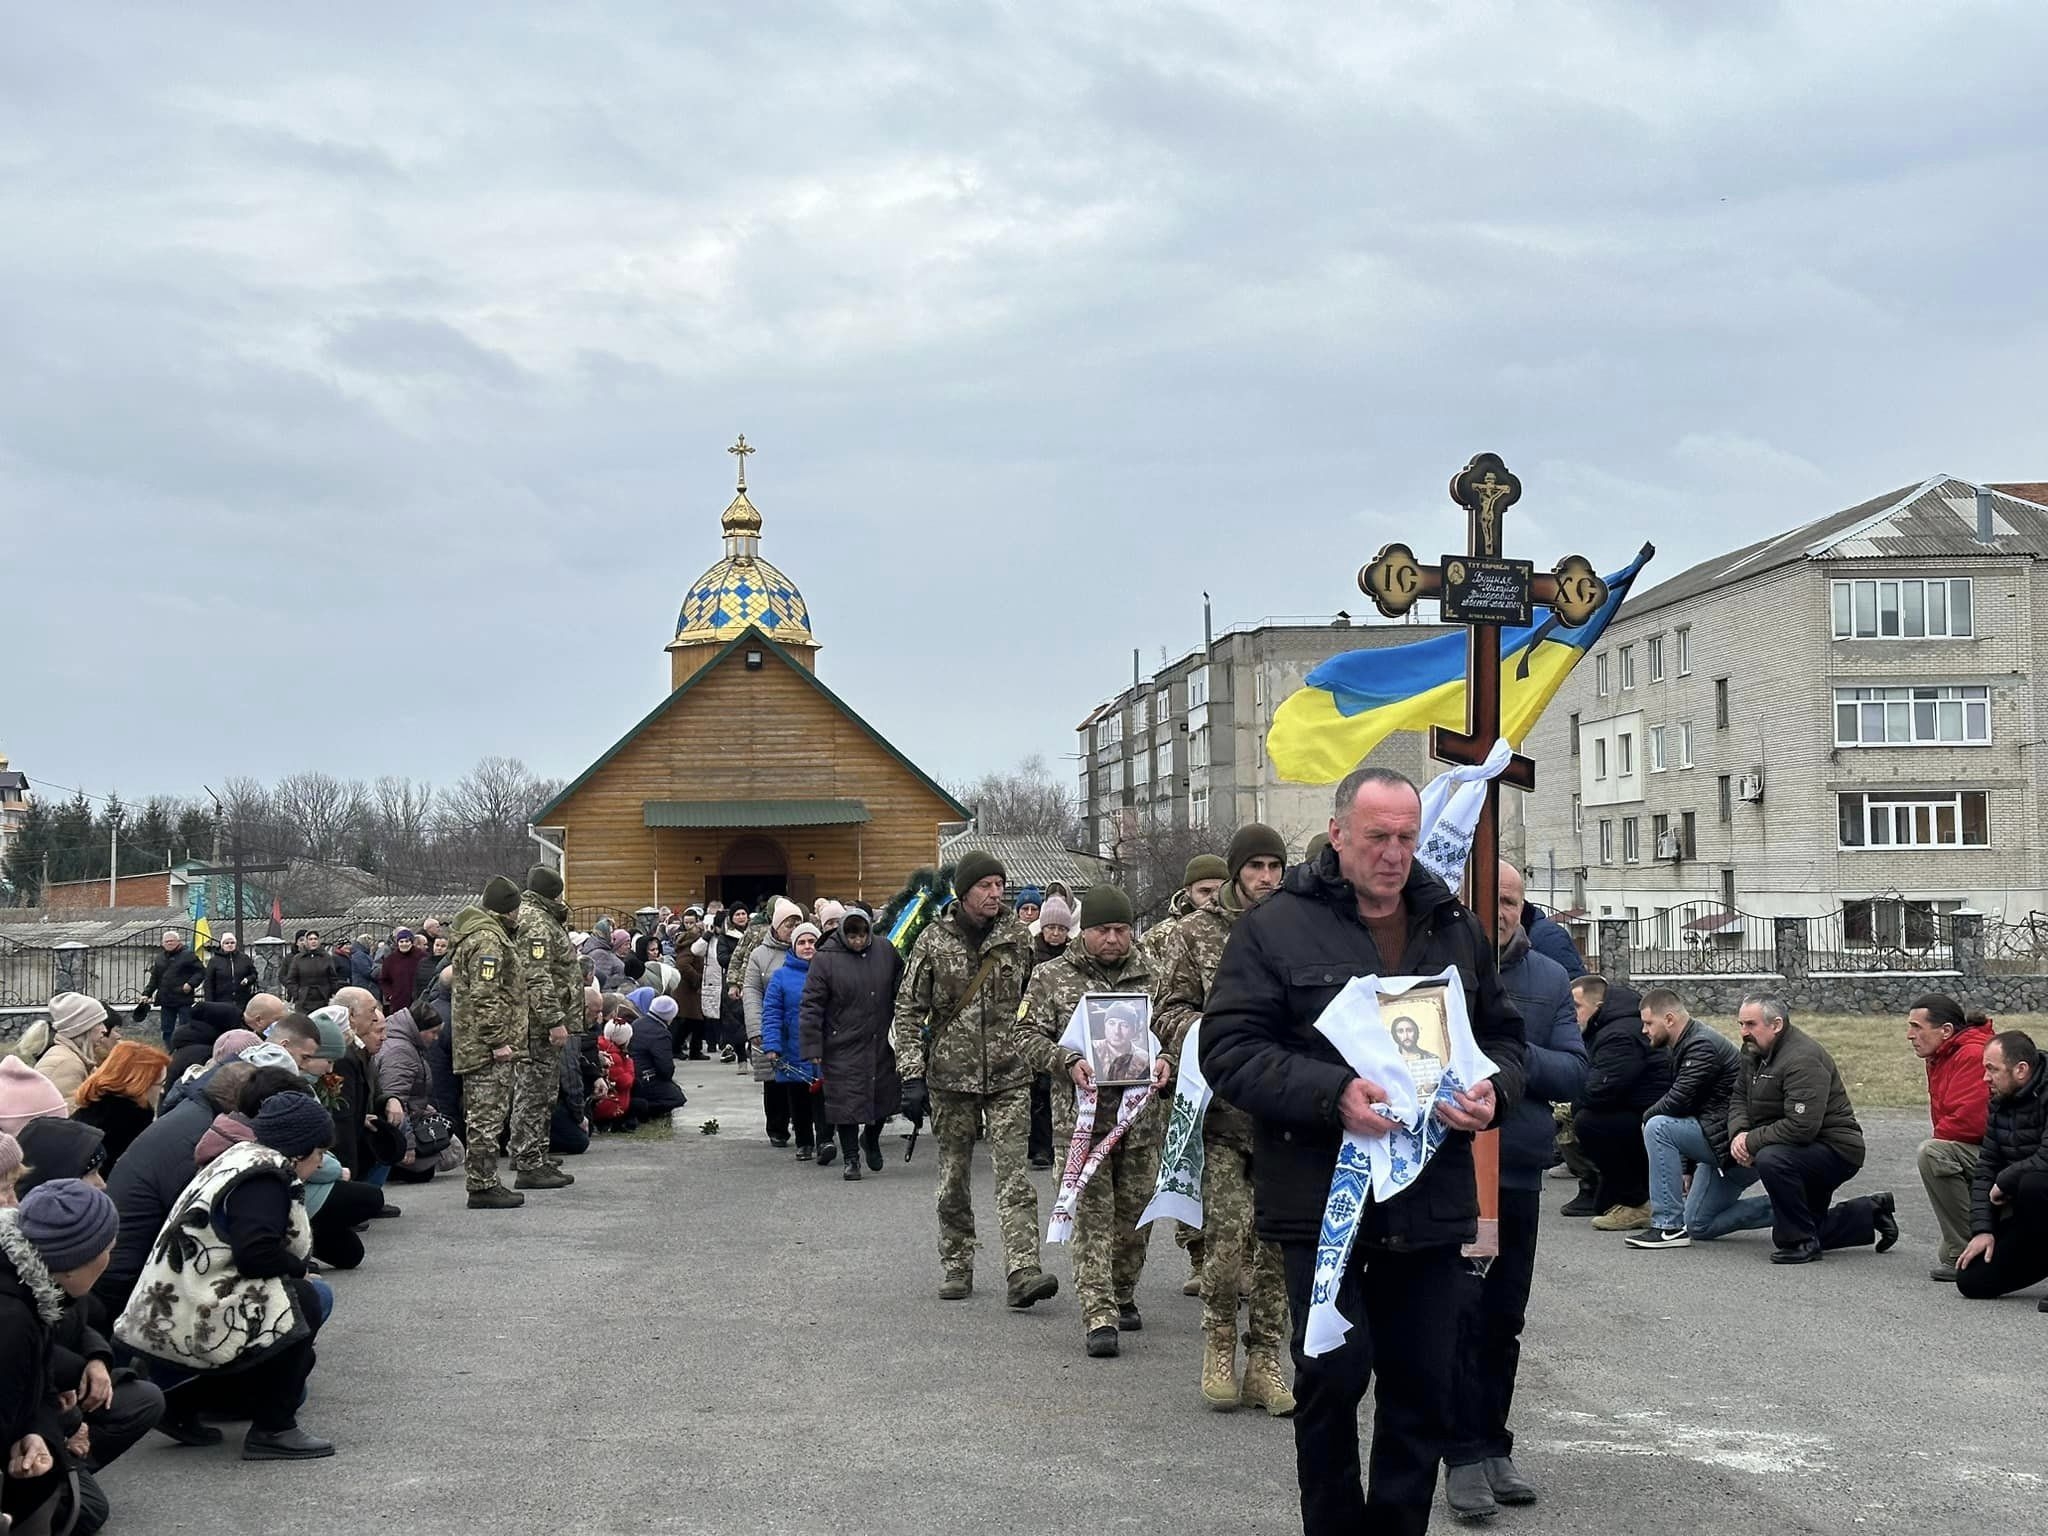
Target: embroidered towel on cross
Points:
(1451, 803)
(1082, 1158)
(1179, 1191)
(1410, 1035)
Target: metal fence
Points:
(2018, 947)
(1703, 938)
(1881, 934)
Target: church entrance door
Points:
(752, 869)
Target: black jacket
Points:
(119, 1120)
(29, 1378)
(192, 1041)
(231, 979)
(1707, 1068)
(309, 980)
(1625, 1071)
(1286, 960)
(843, 1025)
(1555, 1071)
(174, 978)
(1794, 1097)
(2013, 1144)
(655, 1090)
(151, 1175)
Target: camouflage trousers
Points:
(535, 1083)
(1233, 1246)
(1108, 1243)
(486, 1105)
(956, 1117)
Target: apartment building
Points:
(1186, 747)
(1840, 718)
(14, 803)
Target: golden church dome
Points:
(742, 589)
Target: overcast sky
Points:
(366, 371)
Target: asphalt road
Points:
(704, 1335)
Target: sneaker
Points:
(1660, 1237)
(805, 1154)
(1944, 1273)
(1028, 1287)
(1581, 1204)
(1623, 1218)
(728, 1055)
(1102, 1344)
(1468, 1493)
(957, 1286)
(543, 1177)
(1127, 1318)
(1885, 1217)
(852, 1169)
(292, 1444)
(496, 1198)
(828, 1154)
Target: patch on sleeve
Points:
(487, 967)
(1799, 1107)
(538, 949)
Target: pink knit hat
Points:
(10, 1155)
(25, 1095)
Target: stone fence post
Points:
(1966, 938)
(1790, 934)
(1616, 956)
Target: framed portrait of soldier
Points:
(1419, 1021)
(1119, 1028)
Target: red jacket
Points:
(618, 1077)
(1956, 1092)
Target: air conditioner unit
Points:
(1668, 847)
(1750, 786)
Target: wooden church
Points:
(752, 777)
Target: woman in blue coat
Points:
(780, 1004)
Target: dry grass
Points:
(1878, 1066)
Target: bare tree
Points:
(401, 825)
(484, 817)
(1027, 799)
(1154, 857)
(325, 813)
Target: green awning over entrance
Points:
(753, 813)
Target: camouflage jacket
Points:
(1160, 934)
(975, 1051)
(1056, 990)
(1181, 989)
(554, 971)
(489, 995)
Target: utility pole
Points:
(236, 868)
(113, 859)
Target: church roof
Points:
(749, 633)
(739, 592)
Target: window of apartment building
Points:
(1141, 714)
(1653, 655)
(1688, 835)
(1913, 608)
(1889, 819)
(1162, 766)
(1627, 656)
(1624, 754)
(1721, 703)
(1600, 673)
(1198, 749)
(1660, 833)
(1631, 840)
(1198, 687)
(1724, 790)
(1599, 757)
(1162, 706)
(1685, 743)
(1578, 815)
(1894, 923)
(1258, 689)
(1911, 717)
(1116, 776)
(1683, 638)
(1606, 842)
(1110, 731)
(1728, 889)
(1141, 770)
(1198, 808)
(1656, 749)
(1575, 734)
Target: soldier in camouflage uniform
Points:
(956, 1051)
(1201, 882)
(554, 1000)
(1232, 1255)
(489, 1004)
(1108, 1244)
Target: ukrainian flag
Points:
(202, 930)
(1353, 702)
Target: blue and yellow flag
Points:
(1353, 702)
(202, 930)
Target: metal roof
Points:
(753, 813)
(1030, 859)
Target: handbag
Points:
(431, 1134)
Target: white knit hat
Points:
(73, 1015)
(804, 928)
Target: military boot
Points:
(1219, 1368)
(1264, 1386)
(496, 1198)
(957, 1286)
(546, 1176)
(1030, 1286)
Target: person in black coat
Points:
(1626, 1075)
(1689, 1123)
(843, 1025)
(192, 1044)
(2008, 1248)
(230, 975)
(1547, 936)
(173, 982)
(655, 1091)
(1362, 908)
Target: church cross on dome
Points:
(740, 450)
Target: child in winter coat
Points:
(611, 1105)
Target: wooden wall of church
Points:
(741, 735)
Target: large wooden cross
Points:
(1483, 591)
